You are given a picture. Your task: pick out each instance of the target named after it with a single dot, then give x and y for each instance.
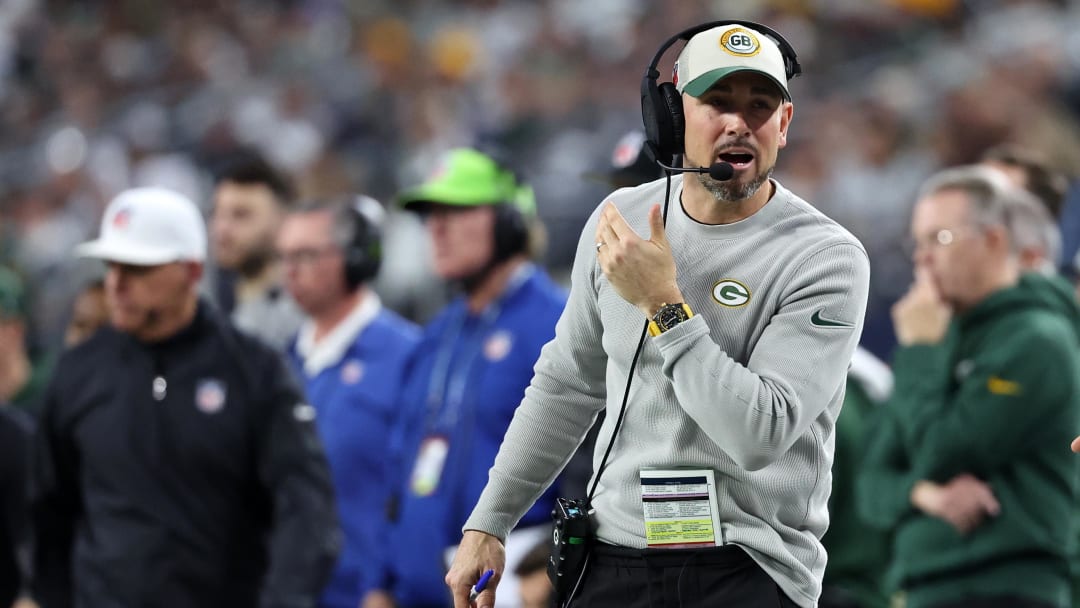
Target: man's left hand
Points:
(921, 316)
(377, 599)
(641, 271)
(964, 502)
(477, 552)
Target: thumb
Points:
(486, 599)
(924, 281)
(992, 506)
(658, 234)
(1076, 445)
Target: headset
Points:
(511, 232)
(661, 105)
(362, 251)
(513, 212)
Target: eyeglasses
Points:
(940, 238)
(306, 256)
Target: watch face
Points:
(670, 316)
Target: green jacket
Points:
(858, 553)
(999, 399)
(28, 397)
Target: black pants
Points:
(837, 597)
(996, 601)
(617, 577)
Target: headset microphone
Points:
(720, 171)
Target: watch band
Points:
(668, 316)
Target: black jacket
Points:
(207, 489)
(14, 447)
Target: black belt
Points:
(727, 555)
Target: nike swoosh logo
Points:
(820, 321)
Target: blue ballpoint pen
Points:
(480, 585)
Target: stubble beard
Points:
(256, 261)
(732, 191)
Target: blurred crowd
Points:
(97, 97)
(100, 96)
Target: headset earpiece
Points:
(656, 120)
(511, 232)
(673, 104)
(511, 225)
(363, 252)
(662, 115)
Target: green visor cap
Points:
(708, 80)
(468, 178)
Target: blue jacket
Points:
(356, 403)
(468, 377)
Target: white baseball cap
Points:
(149, 227)
(722, 51)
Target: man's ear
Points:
(787, 110)
(997, 237)
(195, 272)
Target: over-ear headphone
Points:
(362, 250)
(512, 214)
(661, 105)
(511, 232)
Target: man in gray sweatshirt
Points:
(716, 487)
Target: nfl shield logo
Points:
(498, 345)
(210, 395)
(121, 219)
(352, 372)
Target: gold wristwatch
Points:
(668, 316)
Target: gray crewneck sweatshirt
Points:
(750, 387)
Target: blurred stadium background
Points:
(364, 95)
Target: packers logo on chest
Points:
(730, 293)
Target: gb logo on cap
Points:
(740, 42)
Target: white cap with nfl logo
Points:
(722, 51)
(149, 227)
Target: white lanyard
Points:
(448, 382)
